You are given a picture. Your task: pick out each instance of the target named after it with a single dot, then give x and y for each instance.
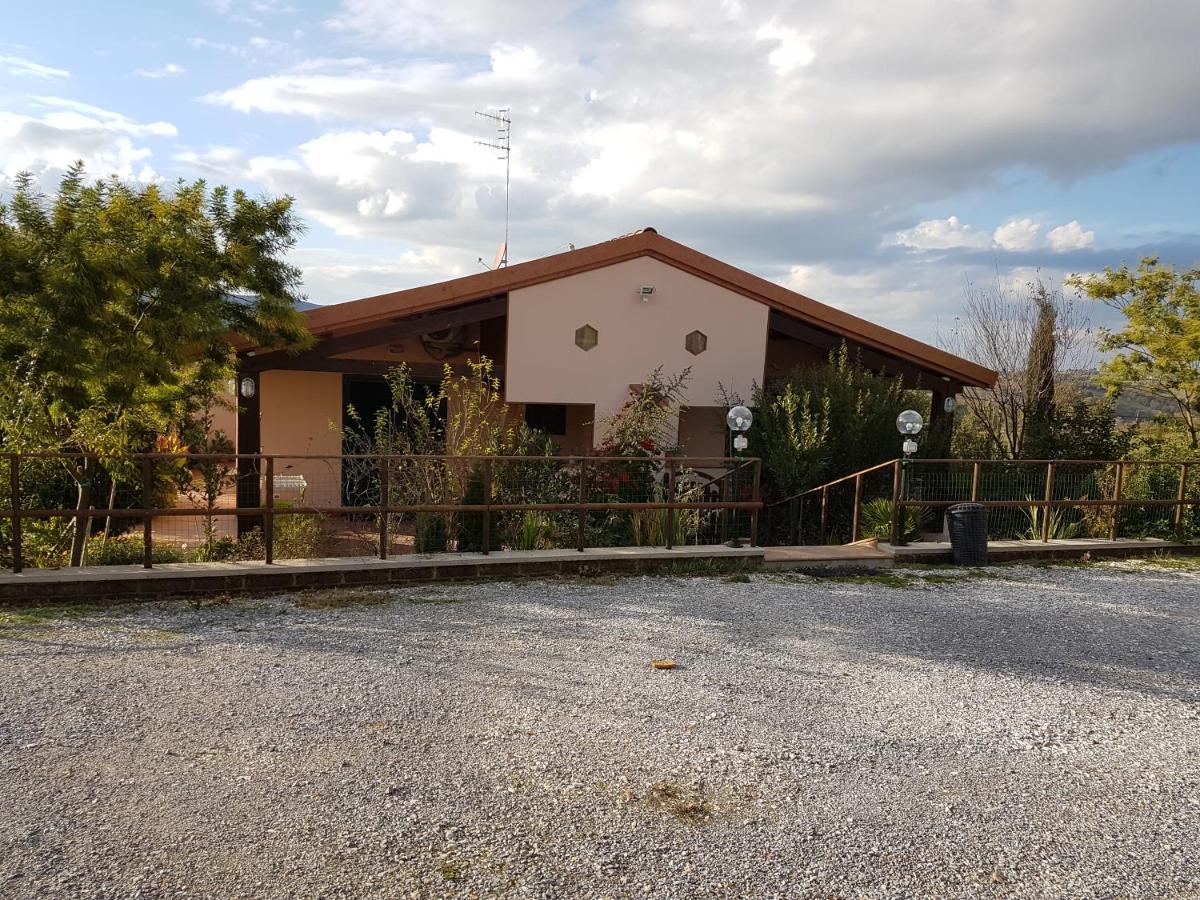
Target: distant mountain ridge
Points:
(1133, 403)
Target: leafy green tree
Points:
(118, 307)
(1158, 348)
(1088, 429)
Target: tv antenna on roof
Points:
(502, 144)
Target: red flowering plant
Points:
(646, 427)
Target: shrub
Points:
(432, 535)
(127, 550)
(875, 520)
(297, 535)
(533, 531)
(827, 420)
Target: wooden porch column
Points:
(249, 440)
(941, 423)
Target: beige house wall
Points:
(302, 414)
(224, 415)
(544, 365)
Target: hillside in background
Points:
(1133, 404)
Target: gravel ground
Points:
(1027, 732)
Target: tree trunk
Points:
(82, 525)
(112, 501)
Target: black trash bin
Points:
(967, 524)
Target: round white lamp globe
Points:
(909, 422)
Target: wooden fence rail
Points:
(969, 487)
(263, 469)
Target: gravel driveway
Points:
(1031, 732)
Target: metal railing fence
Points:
(1027, 499)
(206, 507)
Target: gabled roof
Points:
(355, 315)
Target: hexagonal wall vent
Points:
(586, 337)
(696, 343)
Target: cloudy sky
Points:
(875, 155)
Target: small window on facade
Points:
(548, 417)
(696, 343)
(586, 337)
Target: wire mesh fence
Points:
(156, 508)
(1026, 499)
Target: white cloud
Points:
(1015, 235)
(16, 65)
(793, 49)
(333, 275)
(772, 134)
(74, 114)
(1069, 237)
(447, 24)
(892, 294)
(942, 234)
(168, 71)
(1018, 234)
(49, 144)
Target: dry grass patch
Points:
(690, 804)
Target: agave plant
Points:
(1059, 527)
(875, 520)
(533, 531)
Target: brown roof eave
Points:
(355, 315)
(826, 317)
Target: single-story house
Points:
(569, 334)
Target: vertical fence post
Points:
(857, 507)
(15, 501)
(385, 498)
(147, 504)
(487, 506)
(1180, 499)
(723, 515)
(1046, 503)
(583, 495)
(755, 495)
(824, 510)
(269, 513)
(1116, 519)
(897, 475)
(670, 531)
(974, 482)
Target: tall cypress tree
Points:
(1039, 438)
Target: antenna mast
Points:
(503, 144)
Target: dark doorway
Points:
(369, 395)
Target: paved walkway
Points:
(868, 555)
(1006, 551)
(92, 582)
(97, 582)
